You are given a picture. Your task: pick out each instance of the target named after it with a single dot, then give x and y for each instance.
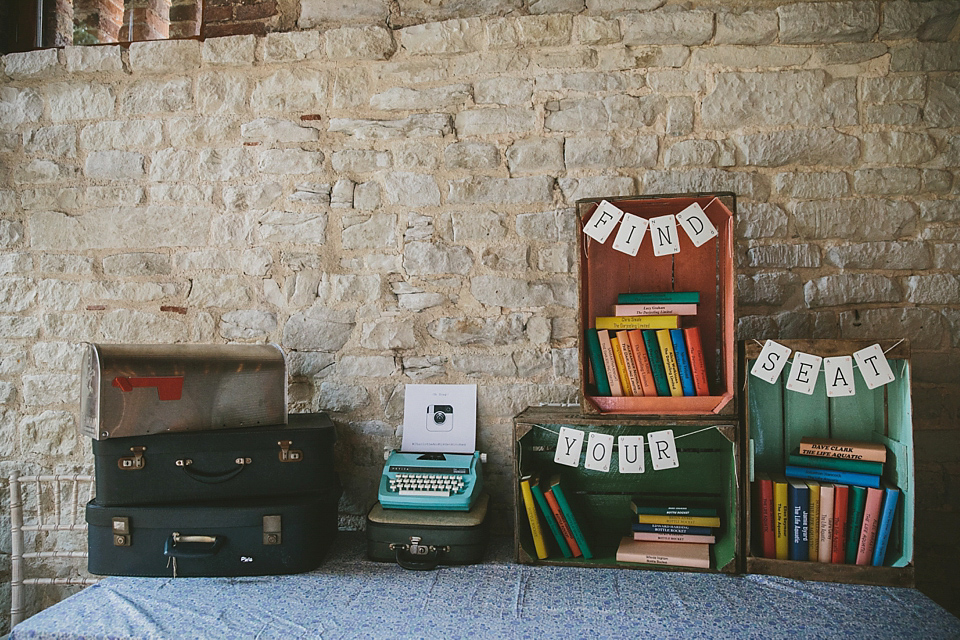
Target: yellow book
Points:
(670, 362)
(620, 323)
(781, 513)
(813, 526)
(633, 375)
(687, 521)
(540, 545)
(621, 366)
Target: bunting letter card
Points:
(630, 234)
(630, 450)
(874, 367)
(804, 373)
(773, 358)
(602, 222)
(663, 232)
(838, 374)
(569, 446)
(697, 225)
(663, 450)
(599, 451)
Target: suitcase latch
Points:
(271, 530)
(134, 462)
(121, 532)
(287, 454)
(417, 549)
(184, 462)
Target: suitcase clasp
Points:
(287, 454)
(272, 531)
(134, 462)
(121, 532)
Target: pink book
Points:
(654, 309)
(673, 537)
(871, 522)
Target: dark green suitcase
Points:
(422, 540)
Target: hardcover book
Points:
(669, 362)
(890, 498)
(557, 492)
(642, 362)
(641, 505)
(562, 524)
(683, 362)
(655, 310)
(666, 297)
(698, 365)
(690, 521)
(596, 362)
(825, 541)
(858, 499)
(781, 515)
(656, 362)
(799, 497)
(676, 554)
(626, 352)
(539, 543)
(548, 517)
(768, 530)
(829, 475)
(836, 464)
(871, 523)
(618, 323)
(672, 528)
(609, 363)
(841, 499)
(674, 537)
(845, 449)
(621, 366)
(813, 525)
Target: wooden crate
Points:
(605, 272)
(775, 421)
(709, 461)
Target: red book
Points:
(841, 494)
(644, 370)
(768, 529)
(871, 522)
(698, 365)
(561, 521)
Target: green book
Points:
(640, 507)
(548, 516)
(568, 515)
(596, 361)
(858, 500)
(836, 464)
(666, 297)
(656, 362)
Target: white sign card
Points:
(663, 233)
(771, 361)
(569, 446)
(439, 418)
(602, 222)
(599, 451)
(838, 375)
(804, 373)
(630, 234)
(663, 450)
(695, 222)
(630, 454)
(873, 366)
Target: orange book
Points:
(871, 522)
(642, 362)
(609, 362)
(621, 366)
(698, 365)
(633, 375)
(561, 521)
(841, 493)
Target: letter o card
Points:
(663, 450)
(602, 222)
(630, 454)
(630, 234)
(874, 367)
(838, 374)
(804, 373)
(569, 446)
(663, 233)
(695, 222)
(599, 451)
(771, 361)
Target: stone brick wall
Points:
(395, 205)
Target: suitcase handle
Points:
(427, 562)
(178, 546)
(214, 478)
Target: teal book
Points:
(891, 496)
(656, 362)
(568, 514)
(858, 500)
(683, 362)
(596, 361)
(829, 475)
(665, 297)
(551, 521)
(835, 464)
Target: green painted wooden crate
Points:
(709, 465)
(775, 421)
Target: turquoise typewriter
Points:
(431, 481)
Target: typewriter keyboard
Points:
(426, 484)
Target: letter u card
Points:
(630, 454)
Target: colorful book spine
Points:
(669, 362)
(689, 521)
(665, 297)
(664, 553)
(621, 366)
(539, 543)
(642, 362)
(890, 498)
(609, 363)
(674, 537)
(655, 310)
(561, 521)
(782, 516)
(698, 364)
(829, 475)
(836, 464)
(871, 523)
(656, 363)
(626, 352)
(768, 530)
(618, 323)
(798, 494)
(596, 362)
(670, 528)
(679, 510)
(841, 500)
(825, 542)
(548, 516)
(845, 449)
(683, 362)
(858, 499)
(813, 523)
(568, 514)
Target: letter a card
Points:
(599, 451)
(838, 374)
(630, 454)
(602, 222)
(663, 450)
(771, 361)
(569, 446)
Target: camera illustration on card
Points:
(440, 417)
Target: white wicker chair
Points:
(56, 505)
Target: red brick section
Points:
(97, 21)
(237, 17)
(184, 18)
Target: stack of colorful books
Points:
(546, 503)
(670, 533)
(641, 350)
(830, 506)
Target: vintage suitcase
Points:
(193, 466)
(240, 538)
(132, 390)
(422, 540)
